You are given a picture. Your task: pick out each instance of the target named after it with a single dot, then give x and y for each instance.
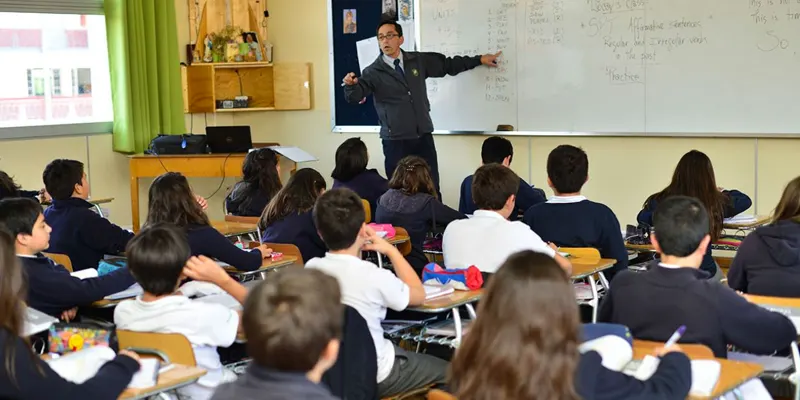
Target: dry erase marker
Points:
(675, 336)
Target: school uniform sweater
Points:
(416, 214)
(299, 230)
(768, 261)
(267, 384)
(207, 241)
(32, 194)
(369, 185)
(739, 202)
(527, 196)
(82, 234)
(29, 384)
(653, 304)
(577, 222)
(672, 380)
(239, 204)
(52, 290)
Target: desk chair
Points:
(62, 259)
(170, 347)
(437, 394)
(405, 247)
(367, 211)
(589, 255)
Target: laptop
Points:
(228, 139)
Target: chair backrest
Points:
(62, 259)
(367, 211)
(353, 375)
(174, 345)
(244, 220)
(404, 248)
(582, 254)
(437, 394)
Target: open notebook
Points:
(432, 292)
(133, 291)
(80, 366)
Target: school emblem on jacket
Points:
(415, 72)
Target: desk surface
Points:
(399, 239)
(639, 247)
(583, 268)
(267, 265)
(95, 201)
(228, 228)
(177, 377)
(760, 220)
(733, 373)
(447, 303)
(773, 301)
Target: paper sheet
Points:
(128, 293)
(295, 154)
(36, 321)
(368, 51)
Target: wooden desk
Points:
(229, 229)
(449, 302)
(400, 238)
(640, 247)
(176, 377)
(583, 268)
(267, 265)
(773, 301)
(760, 220)
(190, 165)
(732, 375)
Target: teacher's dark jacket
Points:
(768, 261)
(402, 104)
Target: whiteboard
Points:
(618, 66)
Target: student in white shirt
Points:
(339, 217)
(157, 258)
(488, 238)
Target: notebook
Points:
(128, 293)
(740, 219)
(432, 292)
(36, 322)
(223, 299)
(85, 274)
(81, 365)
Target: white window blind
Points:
(53, 6)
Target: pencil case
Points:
(388, 228)
(459, 279)
(70, 337)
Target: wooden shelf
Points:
(255, 64)
(223, 110)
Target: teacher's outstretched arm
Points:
(438, 65)
(356, 89)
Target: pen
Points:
(675, 336)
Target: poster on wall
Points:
(389, 7)
(406, 10)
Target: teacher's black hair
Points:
(389, 21)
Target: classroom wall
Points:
(623, 171)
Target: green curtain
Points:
(145, 71)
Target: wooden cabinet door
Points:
(292, 85)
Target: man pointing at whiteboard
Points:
(397, 80)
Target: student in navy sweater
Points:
(569, 219)
(351, 172)
(499, 150)
(51, 288)
(78, 231)
(23, 375)
(768, 260)
(9, 188)
(514, 352)
(172, 201)
(674, 292)
(288, 219)
(411, 203)
(260, 182)
(694, 177)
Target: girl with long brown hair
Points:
(22, 374)
(260, 182)
(694, 177)
(288, 219)
(524, 345)
(172, 201)
(412, 203)
(768, 260)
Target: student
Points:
(411, 203)
(351, 172)
(339, 216)
(694, 177)
(51, 288)
(157, 257)
(488, 238)
(513, 353)
(568, 219)
(9, 188)
(674, 293)
(260, 182)
(288, 365)
(768, 260)
(288, 217)
(498, 150)
(78, 231)
(171, 201)
(23, 375)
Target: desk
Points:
(732, 375)
(583, 268)
(642, 248)
(449, 302)
(190, 165)
(399, 238)
(773, 301)
(760, 220)
(230, 229)
(266, 266)
(95, 202)
(175, 378)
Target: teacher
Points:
(397, 80)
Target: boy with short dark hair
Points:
(339, 217)
(674, 292)
(159, 256)
(78, 231)
(488, 238)
(499, 150)
(569, 219)
(51, 288)
(293, 337)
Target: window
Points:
(59, 75)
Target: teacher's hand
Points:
(490, 59)
(350, 79)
